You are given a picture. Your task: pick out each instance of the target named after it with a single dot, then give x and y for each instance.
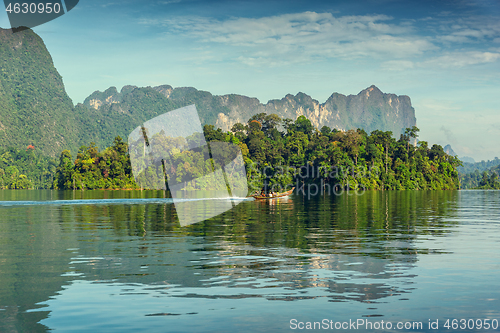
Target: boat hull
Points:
(279, 195)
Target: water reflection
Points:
(359, 249)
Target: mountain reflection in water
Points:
(132, 267)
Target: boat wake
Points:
(113, 201)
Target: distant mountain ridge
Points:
(35, 109)
(479, 166)
(370, 109)
(465, 159)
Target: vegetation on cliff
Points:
(34, 107)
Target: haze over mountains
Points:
(466, 159)
(35, 109)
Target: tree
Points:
(302, 124)
(270, 124)
(385, 139)
(325, 130)
(410, 133)
(238, 127)
(436, 152)
(64, 171)
(352, 141)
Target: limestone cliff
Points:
(370, 109)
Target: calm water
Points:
(119, 262)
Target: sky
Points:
(443, 54)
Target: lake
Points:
(118, 261)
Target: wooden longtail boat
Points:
(278, 195)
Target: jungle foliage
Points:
(284, 152)
(479, 166)
(108, 169)
(480, 175)
(294, 152)
(486, 180)
(25, 169)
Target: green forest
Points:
(94, 169)
(480, 175)
(26, 169)
(277, 151)
(351, 159)
(478, 166)
(486, 180)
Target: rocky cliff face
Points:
(448, 150)
(370, 109)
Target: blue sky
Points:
(445, 55)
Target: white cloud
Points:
(305, 37)
(438, 107)
(397, 65)
(462, 59)
(468, 29)
(168, 2)
(292, 38)
(110, 4)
